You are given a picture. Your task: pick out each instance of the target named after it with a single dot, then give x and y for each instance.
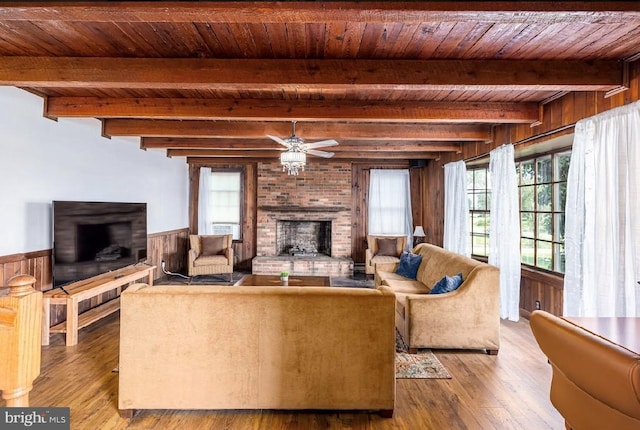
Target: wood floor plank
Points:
(507, 391)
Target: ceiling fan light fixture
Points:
(293, 161)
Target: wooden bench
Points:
(72, 294)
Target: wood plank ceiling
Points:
(388, 80)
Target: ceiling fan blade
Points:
(322, 154)
(279, 140)
(321, 144)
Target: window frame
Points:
(556, 241)
(553, 211)
(241, 193)
(471, 194)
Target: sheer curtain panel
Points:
(504, 232)
(204, 203)
(456, 208)
(390, 203)
(602, 228)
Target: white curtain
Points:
(390, 203)
(456, 208)
(602, 231)
(504, 232)
(204, 206)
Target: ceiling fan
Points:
(295, 144)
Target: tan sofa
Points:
(221, 347)
(467, 318)
(371, 253)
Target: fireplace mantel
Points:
(302, 209)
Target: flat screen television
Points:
(90, 238)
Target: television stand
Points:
(74, 293)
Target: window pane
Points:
(229, 181)
(526, 224)
(562, 166)
(558, 257)
(225, 202)
(544, 170)
(469, 179)
(480, 179)
(543, 255)
(480, 202)
(544, 198)
(527, 251)
(526, 198)
(479, 223)
(559, 196)
(480, 245)
(527, 172)
(544, 226)
(558, 229)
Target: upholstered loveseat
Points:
(221, 347)
(466, 318)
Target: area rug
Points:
(423, 365)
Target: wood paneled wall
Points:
(36, 264)
(558, 117)
(170, 246)
(244, 250)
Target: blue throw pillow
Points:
(447, 284)
(408, 266)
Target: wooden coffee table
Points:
(274, 281)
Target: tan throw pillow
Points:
(212, 245)
(387, 247)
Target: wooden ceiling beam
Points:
(279, 110)
(544, 12)
(267, 144)
(268, 74)
(264, 154)
(255, 129)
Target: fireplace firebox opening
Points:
(303, 238)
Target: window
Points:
(479, 193)
(389, 202)
(542, 183)
(225, 190)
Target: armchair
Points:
(595, 382)
(210, 255)
(380, 250)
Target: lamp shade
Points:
(419, 232)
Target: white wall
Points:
(43, 160)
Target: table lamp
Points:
(418, 235)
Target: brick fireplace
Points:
(318, 200)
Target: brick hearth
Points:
(321, 193)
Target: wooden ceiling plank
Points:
(172, 108)
(256, 129)
(249, 74)
(283, 12)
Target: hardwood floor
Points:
(508, 391)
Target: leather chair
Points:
(210, 255)
(373, 255)
(596, 383)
